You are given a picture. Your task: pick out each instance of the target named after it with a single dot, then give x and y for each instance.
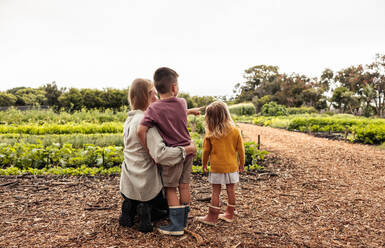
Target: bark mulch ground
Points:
(314, 193)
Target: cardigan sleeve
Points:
(162, 154)
(240, 149)
(206, 149)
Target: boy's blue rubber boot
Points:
(177, 218)
(186, 211)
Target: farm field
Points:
(332, 195)
(43, 142)
(349, 127)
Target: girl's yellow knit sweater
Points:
(222, 152)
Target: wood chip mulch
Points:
(314, 193)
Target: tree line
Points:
(73, 99)
(357, 89)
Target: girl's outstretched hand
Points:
(205, 170)
(241, 168)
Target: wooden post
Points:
(103, 158)
(259, 142)
(330, 129)
(346, 133)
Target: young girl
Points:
(221, 144)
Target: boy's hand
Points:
(194, 111)
(241, 168)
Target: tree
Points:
(344, 100)
(7, 99)
(71, 100)
(259, 102)
(187, 97)
(52, 93)
(374, 88)
(261, 80)
(91, 98)
(30, 96)
(326, 80)
(114, 98)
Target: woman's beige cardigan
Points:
(140, 179)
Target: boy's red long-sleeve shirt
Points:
(222, 152)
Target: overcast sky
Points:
(108, 43)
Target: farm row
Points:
(45, 142)
(360, 129)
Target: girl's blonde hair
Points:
(218, 120)
(138, 94)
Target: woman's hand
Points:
(241, 168)
(191, 149)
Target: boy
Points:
(169, 115)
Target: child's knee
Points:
(230, 186)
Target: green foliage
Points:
(196, 124)
(69, 128)
(30, 96)
(242, 109)
(370, 134)
(253, 155)
(259, 102)
(24, 156)
(365, 130)
(82, 170)
(273, 109)
(7, 99)
(14, 116)
(77, 140)
(301, 110)
(197, 101)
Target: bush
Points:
(242, 109)
(370, 134)
(273, 109)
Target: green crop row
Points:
(24, 156)
(14, 116)
(370, 134)
(77, 140)
(37, 156)
(82, 170)
(85, 128)
(365, 130)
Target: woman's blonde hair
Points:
(218, 120)
(138, 94)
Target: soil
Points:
(314, 193)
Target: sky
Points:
(109, 43)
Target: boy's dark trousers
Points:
(152, 210)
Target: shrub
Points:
(370, 134)
(273, 109)
(242, 109)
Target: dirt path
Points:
(321, 194)
(334, 193)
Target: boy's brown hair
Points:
(164, 77)
(138, 94)
(218, 120)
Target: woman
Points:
(140, 181)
